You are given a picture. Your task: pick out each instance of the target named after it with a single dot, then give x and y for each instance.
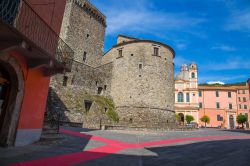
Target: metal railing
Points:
(20, 15)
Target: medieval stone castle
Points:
(138, 75)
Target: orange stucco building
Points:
(30, 53)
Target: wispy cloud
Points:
(178, 61)
(239, 20)
(229, 64)
(221, 78)
(181, 45)
(141, 17)
(224, 48)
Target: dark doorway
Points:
(4, 93)
(181, 118)
(231, 121)
(9, 114)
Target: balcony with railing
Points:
(23, 30)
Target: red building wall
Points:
(40, 21)
(35, 83)
(35, 95)
(51, 11)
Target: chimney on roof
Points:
(122, 39)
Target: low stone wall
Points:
(143, 117)
(171, 127)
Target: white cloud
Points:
(224, 48)
(141, 17)
(216, 82)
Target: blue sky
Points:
(213, 33)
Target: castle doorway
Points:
(231, 122)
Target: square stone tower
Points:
(83, 29)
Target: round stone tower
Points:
(142, 85)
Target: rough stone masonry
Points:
(138, 75)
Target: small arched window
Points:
(180, 97)
(193, 75)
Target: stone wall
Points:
(87, 77)
(142, 80)
(140, 83)
(83, 29)
(145, 117)
(137, 81)
(82, 85)
(152, 85)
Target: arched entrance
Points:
(11, 96)
(5, 87)
(231, 121)
(181, 118)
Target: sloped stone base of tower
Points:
(76, 105)
(146, 118)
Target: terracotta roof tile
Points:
(234, 88)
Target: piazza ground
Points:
(135, 148)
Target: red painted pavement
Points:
(111, 147)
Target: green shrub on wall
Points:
(113, 115)
(108, 103)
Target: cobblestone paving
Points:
(86, 147)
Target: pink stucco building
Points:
(220, 103)
(223, 103)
